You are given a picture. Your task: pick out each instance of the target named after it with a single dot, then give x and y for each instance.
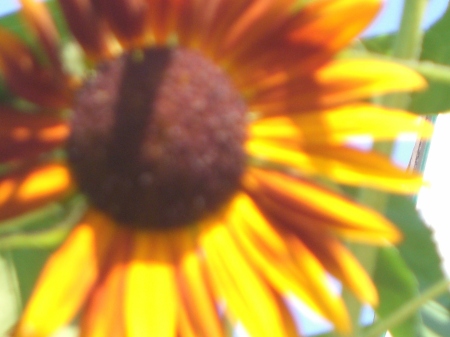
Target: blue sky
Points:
(7, 6)
(388, 21)
(389, 18)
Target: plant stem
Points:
(408, 43)
(407, 309)
(406, 46)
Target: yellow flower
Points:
(196, 137)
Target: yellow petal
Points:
(328, 16)
(339, 82)
(247, 297)
(304, 277)
(341, 164)
(337, 125)
(67, 278)
(28, 189)
(289, 196)
(151, 298)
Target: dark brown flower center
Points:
(157, 138)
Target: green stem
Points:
(408, 42)
(406, 46)
(407, 309)
(52, 211)
(48, 237)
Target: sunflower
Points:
(196, 134)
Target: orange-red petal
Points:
(27, 78)
(24, 136)
(241, 25)
(339, 82)
(298, 203)
(88, 27)
(129, 20)
(310, 37)
(163, 14)
(339, 163)
(340, 263)
(30, 188)
(40, 20)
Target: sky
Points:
(389, 18)
(7, 6)
(433, 200)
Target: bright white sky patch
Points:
(434, 201)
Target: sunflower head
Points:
(157, 138)
(196, 136)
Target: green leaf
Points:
(29, 263)
(396, 285)
(419, 256)
(9, 295)
(381, 44)
(418, 248)
(407, 310)
(415, 263)
(46, 227)
(435, 51)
